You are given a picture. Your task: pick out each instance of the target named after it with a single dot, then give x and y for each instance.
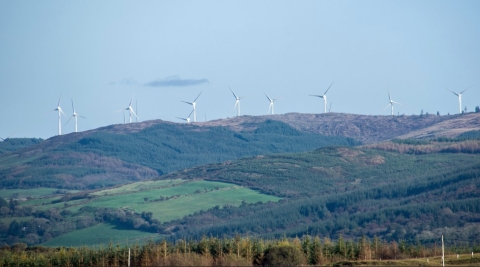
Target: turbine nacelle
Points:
(194, 105)
(324, 96)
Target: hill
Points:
(351, 192)
(400, 190)
(121, 153)
(365, 128)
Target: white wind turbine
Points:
(75, 115)
(390, 103)
(324, 96)
(460, 98)
(130, 110)
(60, 112)
(237, 102)
(194, 105)
(272, 101)
(187, 119)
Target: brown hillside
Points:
(366, 128)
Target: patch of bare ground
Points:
(468, 146)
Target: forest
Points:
(245, 251)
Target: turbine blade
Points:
(198, 96)
(465, 89)
(181, 118)
(73, 106)
(68, 120)
(81, 116)
(328, 88)
(60, 99)
(268, 97)
(190, 114)
(452, 92)
(131, 109)
(233, 93)
(321, 96)
(187, 102)
(386, 106)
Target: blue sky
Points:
(101, 53)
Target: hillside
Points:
(400, 190)
(350, 192)
(121, 153)
(131, 152)
(365, 128)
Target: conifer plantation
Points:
(242, 251)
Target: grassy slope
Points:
(180, 199)
(100, 235)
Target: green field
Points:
(181, 198)
(166, 199)
(100, 235)
(33, 192)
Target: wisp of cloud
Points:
(175, 81)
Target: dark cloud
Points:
(175, 81)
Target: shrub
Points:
(283, 255)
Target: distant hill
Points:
(121, 153)
(365, 128)
(131, 152)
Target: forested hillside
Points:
(110, 156)
(14, 144)
(350, 192)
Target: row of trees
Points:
(235, 251)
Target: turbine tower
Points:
(272, 101)
(460, 98)
(60, 112)
(187, 119)
(324, 96)
(75, 115)
(130, 110)
(237, 102)
(390, 103)
(194, 105)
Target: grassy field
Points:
(100, 235)
(24, 193)
(166, 199)
(180, 198)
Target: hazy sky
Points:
(101, 53)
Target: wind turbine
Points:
(130, 110)
(237, 102)
(390, 103)
(75, 114)
(324, 96)
(194, 105)
(60, 112)
(460, 98)
(272, 101)
(187, 119)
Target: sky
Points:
(102, 54)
